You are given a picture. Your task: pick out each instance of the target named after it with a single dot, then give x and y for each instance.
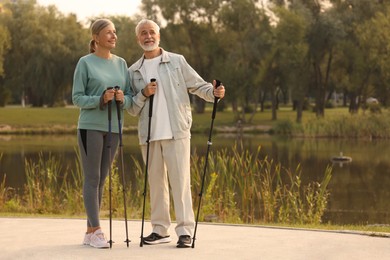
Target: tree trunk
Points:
(274, 105)
(299, 108)
(353, 107)
(200, 105)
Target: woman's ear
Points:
(96, 38)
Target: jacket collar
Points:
(164, 58)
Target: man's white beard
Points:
(150, 47)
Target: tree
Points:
(374, 35)
(323, 35)
(354, 70)
(5, 45)
(45, 48)
(293, 60)
(186, 21)
(247, 40)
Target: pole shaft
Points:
(146, 165)
(109, 173)
(118, 110)
(209, 143)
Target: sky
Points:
(84, 9)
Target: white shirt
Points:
(160, 123)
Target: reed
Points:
(72, 189)
(133, 188)
(240, 187)
(9, 200)
(43, 185)
(135, 191)
(246, 188)
(3, 191)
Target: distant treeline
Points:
(309, 54)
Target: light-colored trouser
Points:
(169, 163)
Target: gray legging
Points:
(94, 151)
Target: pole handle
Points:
(151, 100)
(109, 106)
(117, 104)
(217, 84)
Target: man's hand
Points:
(219, 92)
(150, 89)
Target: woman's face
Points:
(107, 37)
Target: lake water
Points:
(359, 190)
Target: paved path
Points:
(47, 238)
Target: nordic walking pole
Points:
(109, 172)
(118, 111)
(146, 165)
(209, 143)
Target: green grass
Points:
(337, 123)
(38, 117)
(14, 119)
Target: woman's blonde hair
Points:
(96, 27)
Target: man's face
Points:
(148, 38)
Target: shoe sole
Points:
(160, 241)
(100, 247)
(182, 245)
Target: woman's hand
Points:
(108, 95)
(119, 96)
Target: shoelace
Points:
(100, 236)
(154, 236)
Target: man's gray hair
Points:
(146, 21)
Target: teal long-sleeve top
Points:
(92, 76)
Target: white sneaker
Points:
(98, 240)
(87, 239)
